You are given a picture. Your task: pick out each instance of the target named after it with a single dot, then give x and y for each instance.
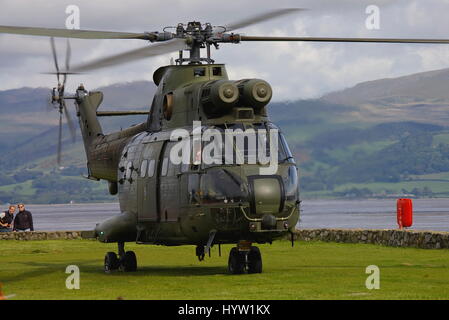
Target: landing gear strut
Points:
(200, 252)
(125, 261)
(245, 260)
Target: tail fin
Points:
(103, 152)
(87, 105)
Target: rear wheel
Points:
(236, 262)
(254, 260)
(111, 262)
(129, 262)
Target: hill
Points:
(382, 138)
(421, 97)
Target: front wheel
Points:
(236, 262)
(254, 260)
(129, 262)
(111, 262)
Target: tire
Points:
(254, 260)
(129, 262)
(199, 251)
(236, 262)
(111, 262)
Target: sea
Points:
(428, 214)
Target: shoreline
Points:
(302, 199)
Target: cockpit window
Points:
(291, 183)
(250, 144)
(222, 186)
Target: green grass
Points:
(24, 188)
(346, 154)
(441, 138)
(432, 176)
(312, 270)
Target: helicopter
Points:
(218, 191)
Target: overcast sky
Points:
(295, 70)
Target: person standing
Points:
(6, 219)
(23, 220)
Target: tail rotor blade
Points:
(55, 57)
(48, 103)
(59, 139)
(68, 55)
(69, 121)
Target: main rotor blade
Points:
(65, 33)
(68, 54)
(261, 18)
(133, 55)
(59, 139)
(318, 39)
(55, 57)
(69, 121)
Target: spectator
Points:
(23, 220)
(6, 219)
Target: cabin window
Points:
(168, 105)
(164, 169)
(129, 169)
(216, 71)
(143, 168)
(151, 168)
(199, 72)
(194, 188)
(171, 168)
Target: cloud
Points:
(295, 70)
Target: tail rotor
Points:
(58, 98)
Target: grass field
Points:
(310, 270)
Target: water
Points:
(71, 216)
(429, 214)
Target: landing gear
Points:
(129, 262)
(111, 262)
(245, 260)
(125, 261)
(200, 252)
(236, 262)
(254, 260)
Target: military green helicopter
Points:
(229, 200)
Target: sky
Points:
(295, 70)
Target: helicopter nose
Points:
(266, 196)
(268, 221)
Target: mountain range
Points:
(381, 138)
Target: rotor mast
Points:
(197, 39)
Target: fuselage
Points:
(236, 195)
